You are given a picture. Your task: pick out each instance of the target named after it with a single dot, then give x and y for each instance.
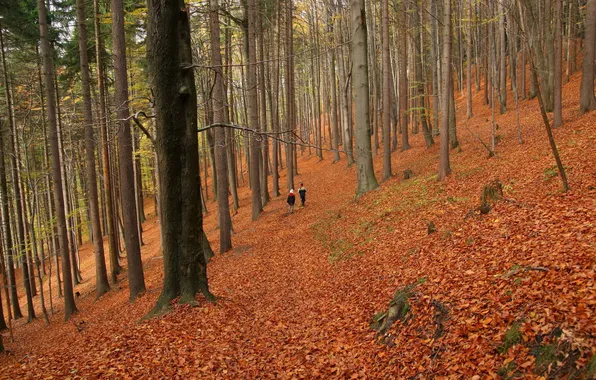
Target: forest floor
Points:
(511, 293)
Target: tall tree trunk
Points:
(69, 303)
(444, 167)
(558, 90)
(587, 100)
(365, 171)
(113, 242)
(502, 59)
(333, 80)
(12, 248)
(469, 63)
(253, 110)
(20, 212)
(168, 50)
(219, 109)
(386, 91)
(403, 78)
(290, 95)
(136, 278)
(101, 276)
(264, 157)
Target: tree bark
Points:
(113, 242)
(219, 109)
(136, 279)
(168, 51)
(365, 171)
(69, 303)
(386, 91)
(253, 110)
(587, 100)
(101, 276)
(444, 167)
(403, 78)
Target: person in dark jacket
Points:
(291, 200)
(302, 192)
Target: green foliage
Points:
(512, 337)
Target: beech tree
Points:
(136, 279)
(169, 52)
(364, 161)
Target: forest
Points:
(298, 189)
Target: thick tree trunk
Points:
(168, 50)
(101, 276)
(69, 303)
(219, 109)
(365, 171)
(136, 279)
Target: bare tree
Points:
(365, 171)
(587, 100)
(101, 276)
(136, 278)
(444, 167)
(219, 108)
(69, 303)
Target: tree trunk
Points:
(365, 171)
(69, 303)
(403, 78)
(386, 91)
(113, 242)
(168, 50)
(219, 109)
(558, 90)
(136, 278)
(290, 94)
(101, 276)
(587, 100)
(253, 110)
(444, 167)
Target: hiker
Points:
(291, 200)
(302, 192)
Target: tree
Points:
(444, 167)
(113, 243)
(136, 279)
(290, 94)
(219, 108)
(365, 171)
(173, 85)
(386, 91)
(101, 276)
(253, 109)
(587, 100)
(69, 303)
(4, 194)
(403, 77)
(558, 90)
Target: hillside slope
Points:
(509, 293)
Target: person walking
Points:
(291, 200)
(302, 192)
